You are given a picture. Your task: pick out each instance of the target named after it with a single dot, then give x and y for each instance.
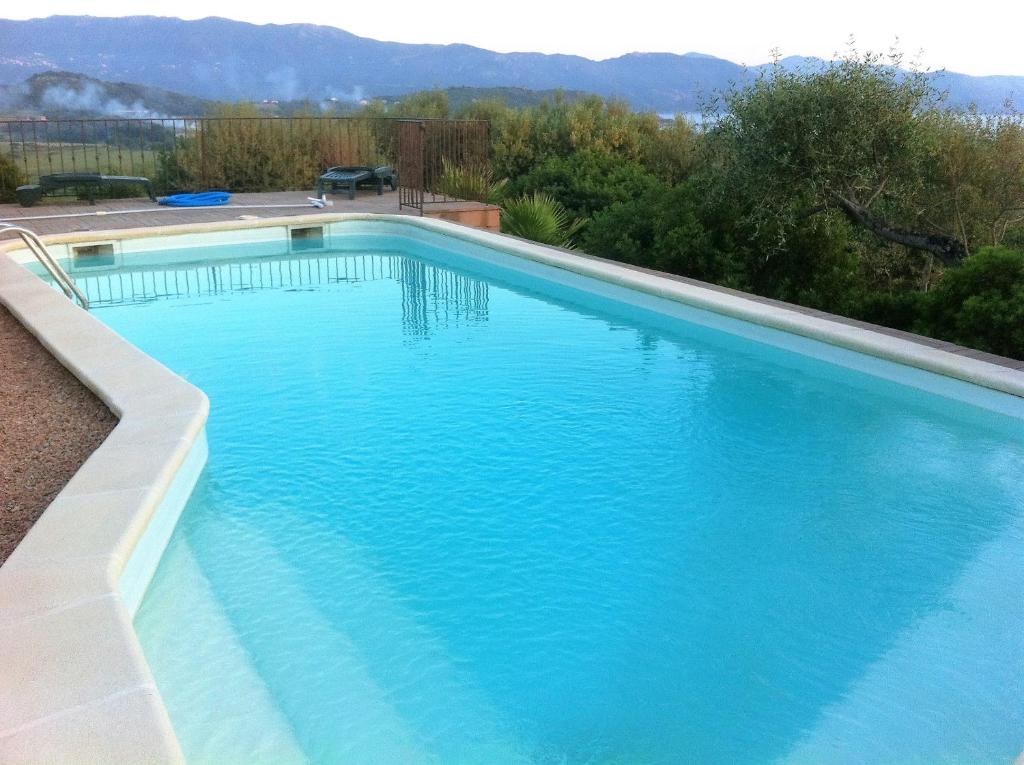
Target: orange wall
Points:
(483, 216)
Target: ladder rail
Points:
(35, 245)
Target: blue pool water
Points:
(455, 514)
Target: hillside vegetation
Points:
(843, 188)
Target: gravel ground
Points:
(49, 424)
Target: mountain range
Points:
(225, 60)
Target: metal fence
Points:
(241, 153)
(430, 151)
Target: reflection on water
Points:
(432, 297)
(435, 297)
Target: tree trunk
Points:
(948, 249)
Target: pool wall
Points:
(75, 685)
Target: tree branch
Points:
(878, 191)
(947, 249)
(812, 211)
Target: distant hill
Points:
(68, 94)
(220, 59)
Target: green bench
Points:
(29, 195)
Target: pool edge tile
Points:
(82, 736)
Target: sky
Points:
(979, 37)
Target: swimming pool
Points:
(465, 508)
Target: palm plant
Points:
(542, 218)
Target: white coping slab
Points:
(75, 685)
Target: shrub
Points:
(899, 310)
(981, 303)
(586, 182)
(523, 138)
(972, 179)
(660, 229)
(471, 183)
(671, 153)
(11, 176)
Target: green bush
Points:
(981, 303)
(660, 229)
(899, 310)
(522, 139)
(819, 267)
(471, 183)
(680, 230)
(672, 153)
(11, 176)
(586, 182)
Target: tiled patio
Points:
(63, 216)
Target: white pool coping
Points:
(75, 685)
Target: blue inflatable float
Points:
(202, 199)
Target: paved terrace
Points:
(137, 213)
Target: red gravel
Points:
(49, 424)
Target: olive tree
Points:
(975, 177)
(843, 139)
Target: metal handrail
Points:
(59, 275)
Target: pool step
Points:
(381, 687)
(210, 675)
(316, 674)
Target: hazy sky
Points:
(978, 37)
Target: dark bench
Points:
(29, 195)
(348, 178)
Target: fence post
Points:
(411, 170)
(203, 175)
